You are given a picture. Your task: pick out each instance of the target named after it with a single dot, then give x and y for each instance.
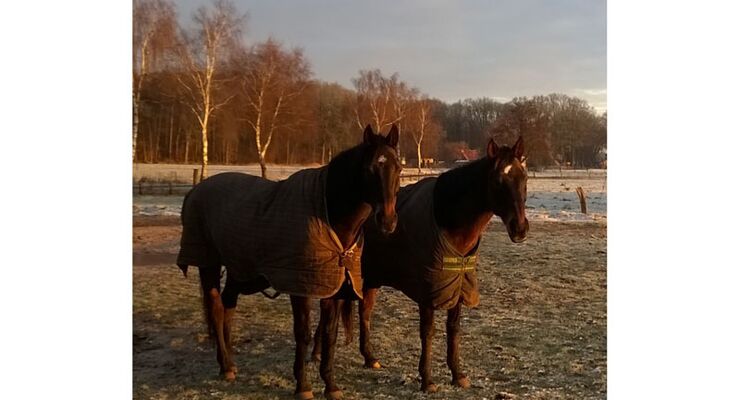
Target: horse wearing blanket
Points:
(432, 255)
(301, 236)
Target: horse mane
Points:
(468, 180)
(458, 182)
(348, 158)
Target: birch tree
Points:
(272, 80)
(376, 99)
(217, 30)
(154, 31)
(423, 126)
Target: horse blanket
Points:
(278, 231)
(417, 258)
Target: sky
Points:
(451, 50)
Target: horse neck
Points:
(346, 209)
(460, 206)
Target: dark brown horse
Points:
(302, 236)
(432, 255)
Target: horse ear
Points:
(368, 135)
(392, 138)
(519, 148)
(492, 149)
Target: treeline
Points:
(202, 95)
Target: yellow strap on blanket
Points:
(458, 263)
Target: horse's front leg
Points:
(426, 332)
(316, 352)
(366, 309)
(329, 325)
(301, 315)
(453, 347)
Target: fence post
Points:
(582, 199)
(195, 176)
(140, 191)
(169, 187)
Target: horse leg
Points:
(210, 283)
(366, 309)
(330, 317)
(301, 314)
(426, 332)
(316, 353)
(229, 298)
(453, 347)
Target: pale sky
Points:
(449, 49)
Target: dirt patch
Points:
(539, 332)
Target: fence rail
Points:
(144, 187)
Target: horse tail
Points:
(210, 278)
(183, 266)
(347, 320)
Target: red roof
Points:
(468, 154)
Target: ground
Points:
(539, 332)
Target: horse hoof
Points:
(374, 364)
(430, 388)
(335, 395)
(230, 376)
(463, 382)
(304, 395)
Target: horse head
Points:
(381, 176)
(507, 187)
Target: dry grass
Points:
(539, 332)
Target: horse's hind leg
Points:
(301, 315)
(453, 347)
(366, 309)
(229, 298)
(330, 317)
(426, 332)
(210, 283)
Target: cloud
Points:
(450, 50)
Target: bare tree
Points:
(376, 96)
(272, 80)
(334, 114)
(423, 125)
(217, 30)
(404, 98)
(154, 31)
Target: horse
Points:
(431, 257)
(302, 236)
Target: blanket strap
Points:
(459, 263)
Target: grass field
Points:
(539, 332)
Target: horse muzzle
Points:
(517, 231)
(386, 223)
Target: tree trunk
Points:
(263, 165)
(135, 127)
(172, 125)
(287, 152)
(187, 147)
(418, 155)
(204, 163)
